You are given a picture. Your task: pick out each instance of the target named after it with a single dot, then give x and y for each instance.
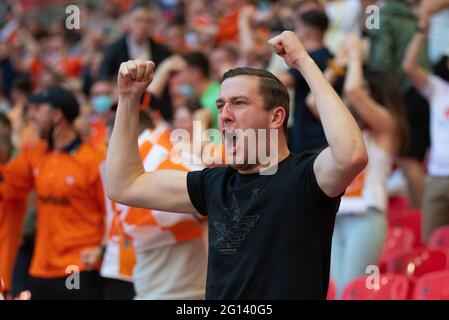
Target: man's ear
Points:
(278, 117)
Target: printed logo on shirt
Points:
(69, 180)
(229, 240)
(255, 194)
(56, 201)
(234, 210)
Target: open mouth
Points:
(230, 139)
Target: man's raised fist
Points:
(134, 76)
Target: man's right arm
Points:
(126, 180)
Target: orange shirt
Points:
(97, 130)
(10, 236)
(69, 67)
(70, 203)
(228, 27)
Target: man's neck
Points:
(313, 44)
(283, 153)
(63, 136)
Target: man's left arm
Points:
(346, 156)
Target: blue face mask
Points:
(5, 107)
(101, 104)
(186, 90)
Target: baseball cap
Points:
(59, 98)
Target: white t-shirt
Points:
(176, 272)
(138, 51)
(369, 188)
(437, 93)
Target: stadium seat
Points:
(391, 287)
(397, 205)
(439, 239)
(397, 240)
(409, 219)
(418, 262)
(331, 292)
(432, 286)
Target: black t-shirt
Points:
(269, 235)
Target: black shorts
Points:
(418, 116)
(56, 288)
(114, 289)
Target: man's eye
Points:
(240, 102)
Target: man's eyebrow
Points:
(221, 100)
(238, 97)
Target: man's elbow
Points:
(113, 194)
(115, 191)
(359, 160)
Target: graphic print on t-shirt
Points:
(235, 229)
(230, 239)
(234, 210)
(255, 194)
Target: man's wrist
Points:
(129, 99)
(302, 61)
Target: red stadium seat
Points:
(432, 286)
(412, 220)
(397, 205)
(397, 240)
(418, 262)
(391, 287)
(331, 292)
(439, 239)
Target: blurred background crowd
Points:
(394, 76)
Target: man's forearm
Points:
(123, 159)
(341, 130)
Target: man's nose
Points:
(226, 114)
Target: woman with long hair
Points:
(360, 226)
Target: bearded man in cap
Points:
(64, 172)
